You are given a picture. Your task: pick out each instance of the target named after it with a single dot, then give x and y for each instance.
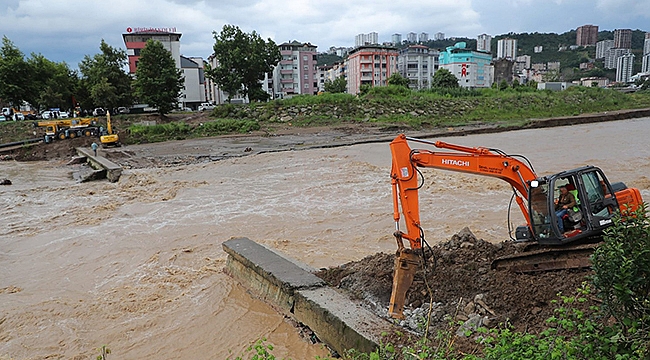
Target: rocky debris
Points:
(5, 182)
(462, 287)
(86, 173)
(77, 160)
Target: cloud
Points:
(66, 30)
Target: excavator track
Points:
(546, 259)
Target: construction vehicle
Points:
(597, 200)
(108, 137)
(68, 128)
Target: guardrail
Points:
(20, 143)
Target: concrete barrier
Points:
(295, 291)
(113, 171)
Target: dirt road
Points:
(137, 265)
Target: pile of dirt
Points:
(58, 149)
(463, 286)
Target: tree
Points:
(242, 61)
(54, 84)
(621, 271)
(157, 80)
(105, 71)
(339, 85)
(15, 74)
(443, 78)
(399, 80)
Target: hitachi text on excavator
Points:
(596, 202)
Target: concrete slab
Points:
(113, 171)
(276, 268)
(293, 289)
(338, 321)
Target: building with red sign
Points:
(473, 69)
(193, 92)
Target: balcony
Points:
(286, 81)
(286, 71)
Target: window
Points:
(306, 76)
(376, 65)
(306, 86)
(306, 67)
(304, 57)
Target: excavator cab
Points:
(595, 204)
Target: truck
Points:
(68, 128)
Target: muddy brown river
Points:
(138, 265)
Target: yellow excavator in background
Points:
(108, 137)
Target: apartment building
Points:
(366, 39)
(612, 55)
(370, 65)
(396, 39)
(296, 73)
(412, 37)
(507, 49)
(602, 47)
(587, 35)
(472, 68)
(214, 94)
(623, 38)
(624, 67)
(484, 43)
(423, 37)
(418, 63)
(439, 36)
(645, 63)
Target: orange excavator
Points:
(597, 200)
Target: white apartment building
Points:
(439, 36)
(483, 43)
(366, 39)
(612, 55)
(396, 39)
(424, 37)
(412, 37)
(645, 63)
(418, 63)
(507, 49)
(602, 47)
(624, 67)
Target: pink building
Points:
(296, 73)
(370, 65)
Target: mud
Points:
(137, 264)
(457, 275)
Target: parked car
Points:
(122, 110)
(206, 106)
(3, 118)
(99, 112)
(19, 116)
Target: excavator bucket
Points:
(406, 264)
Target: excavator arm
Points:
(406, 183)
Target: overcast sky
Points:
(66, 30)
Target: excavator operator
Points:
(563, 203)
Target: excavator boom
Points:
(597, 201)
